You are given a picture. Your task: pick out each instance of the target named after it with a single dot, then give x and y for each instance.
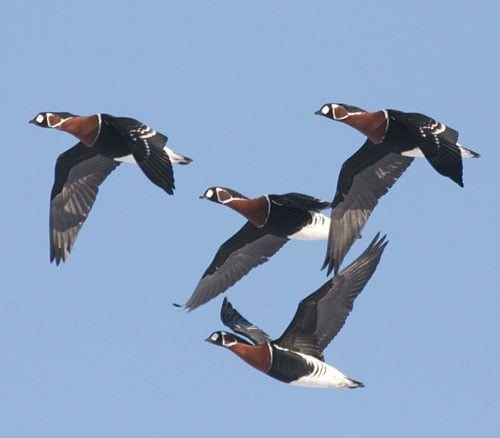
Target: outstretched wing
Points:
(232, 318)
(364, 178)
(146, 145)
(322, 314)
(248, 248)
(78, 173)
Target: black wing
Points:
(437, 142)
(146, 146)
(300, 201)
(232, 318)
(364, 178)
(78, 173)
(322, 314)
(248, 248)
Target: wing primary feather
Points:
(78, 174)
(364, 178)
(248, 248)
(235, 321)
(322, 314)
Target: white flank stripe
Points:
(323, 376)
(316, 230)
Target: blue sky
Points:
(94, 347)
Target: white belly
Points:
(316, 230)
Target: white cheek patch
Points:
(214, 337)
(39, 118)
(209, 193)
(325, 110)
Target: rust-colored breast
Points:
(84, 128)
(258, 356)
(255, 210)
(373, 125)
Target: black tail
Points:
(355, 384)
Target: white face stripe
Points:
(334, 115)
(48, 116)
(224, 201)
(348, 113)
(59, 123)
(228, 340)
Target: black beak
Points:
(318, 113)
(202, 196)
(33, 121)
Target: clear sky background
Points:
(94, 347)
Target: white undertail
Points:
(464, 152)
